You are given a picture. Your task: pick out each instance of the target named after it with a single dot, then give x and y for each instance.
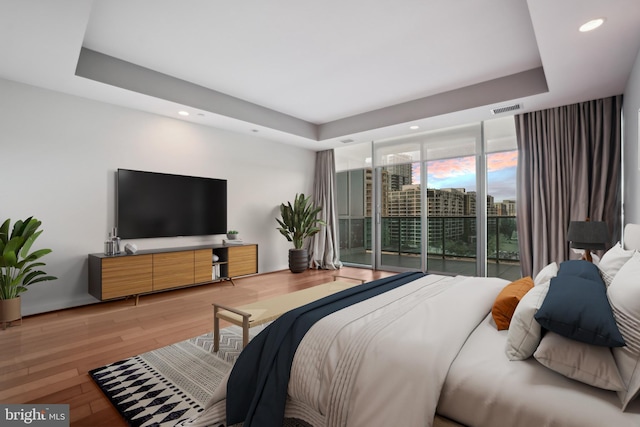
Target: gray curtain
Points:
(324, 250)
(568, 170)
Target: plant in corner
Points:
(18, 266)
(299, 221)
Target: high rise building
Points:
(451, 212)
(510, 206)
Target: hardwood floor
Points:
(46, 359)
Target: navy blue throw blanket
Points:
(257, 387)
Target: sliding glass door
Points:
(354, 216)
(400, 217)
(427, 193)
(451, 215)
(442, 201)
(503, 253)
(354, 182)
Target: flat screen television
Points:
(151, 204)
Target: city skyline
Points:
(460, 172)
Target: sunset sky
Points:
(461, 173)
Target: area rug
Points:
(166, 386)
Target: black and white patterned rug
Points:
(166, 386)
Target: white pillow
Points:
(612, 261)
(632, 236)
(587, 363)
(594, 258)
(525, 332)
(624, 297)
(546, 274)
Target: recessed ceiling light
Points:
(183, 113)
(591, 25)
(414, 127)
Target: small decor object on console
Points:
(232, 238)
(228, 242)
(112, 244)
(108, 246)
(130, 248)
(116, 241)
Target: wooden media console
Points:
(147, 271)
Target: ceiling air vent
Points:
(346, 141)
(508, 108)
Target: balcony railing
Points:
(448, 237)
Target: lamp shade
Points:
(588, 234)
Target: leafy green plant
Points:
(298, 221)
(18, 267)
(232, 232)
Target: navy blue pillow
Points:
(578, 308)
(580, 268)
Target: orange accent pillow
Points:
(507, 301)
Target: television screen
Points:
(153, 204)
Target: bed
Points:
(430, 352)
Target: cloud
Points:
(501, 183)
(461, 173)
(450, 168)
(504, 160)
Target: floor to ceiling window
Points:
(451, 215)
(441, 201)
(399, 205)
(428, 188)
(354, 193)
(503, 254)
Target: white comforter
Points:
(485, 389)
(384, 360)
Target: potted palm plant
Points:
(18, 266)
(298, 222)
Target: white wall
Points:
(631, 162)
(58, 157)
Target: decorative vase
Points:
(298, 260)
(232, 236)
(10, 310)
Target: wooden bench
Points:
(264, 311)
